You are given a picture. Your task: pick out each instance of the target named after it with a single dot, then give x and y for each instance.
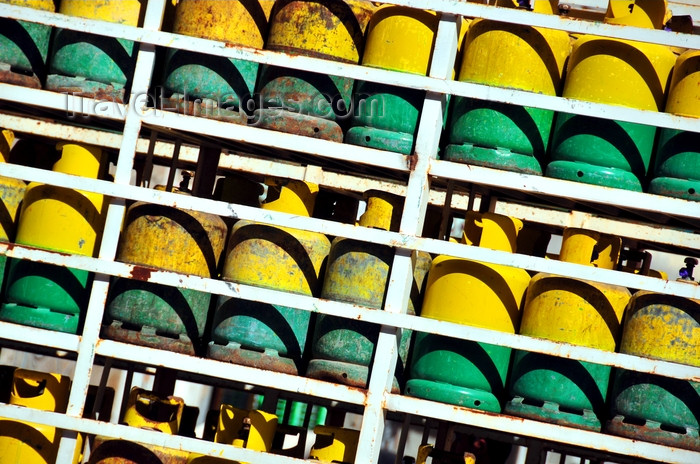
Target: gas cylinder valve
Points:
(686, 273)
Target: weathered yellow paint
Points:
(383, 210)
(542, 52)
(44, 5)
(141, 407)
(25, 442)
(651, 14)
(576, 311)
(170, 240)
(684, 96)
(250, 429)
(620, 78)
(342, 448)
(400, 39)
(63, 219)
(115, 11)
(242, 23)
(257, 260)
(661, 327)
(313, 27)
(452, 281)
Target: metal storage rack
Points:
(421, 178)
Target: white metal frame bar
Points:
(336, 308)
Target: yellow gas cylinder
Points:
(171, 239)
(568, 310)
(63, 220)
(212, 86)
(648, 407)
(25, 442)
(384, 116)
(281, 258)
(149, 411)
(428, 451)
(676, 170)
(358, 273)
(305, 103)
(334, 444)
(616, 72)
(250, 429)
(11, 195)
(522, 57)
(464, 372)
(24, 46)
(91, 65)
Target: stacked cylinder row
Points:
(525, 139)
(283, 338)
(254, 429)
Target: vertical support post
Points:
(415, 205)
(205, 175)
(145, 61)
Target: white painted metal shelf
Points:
(29, 109)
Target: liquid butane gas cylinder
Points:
(579, 312)
(677, 163)
(281, 258)
(11, 195)
(358, 273)
(464, 372)
(62, 220)
(27, 442)
(616, 72)
(150, 411)
(92, 65)
(301, 102)
(386, 117)
(249, 429)
(649, 407)
(171, 239)
(24, 46)
(499, 135)
(209, 85)
(334, 444)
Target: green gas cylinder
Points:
(677, 164)
(92, 65)
(209, 85)
(11, 194)
(568, 310)
(62, 220)
(648, 407)
(301, 102)
(464, 372)
(522, 57)
(261, 335)
(24, 46)
(171, 239)
(358, 273)
(384, 116)
(616, 72)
